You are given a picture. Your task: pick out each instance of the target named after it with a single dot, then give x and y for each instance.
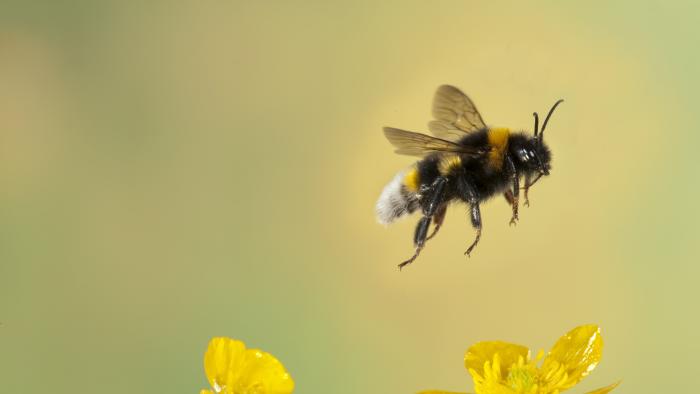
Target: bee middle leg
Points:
(471, 195)
(475, 214)
(432, 205)
(508, 194)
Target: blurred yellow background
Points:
(174, 171)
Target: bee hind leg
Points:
(438, 218)
(418, 239)
(432, 206)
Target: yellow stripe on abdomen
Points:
(448, 164)
(412, 180)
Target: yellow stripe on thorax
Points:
(411, 180)
(498, 141)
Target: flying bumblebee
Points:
(466, 161)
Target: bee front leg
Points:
(528, 185)
(515, 192)
(526, 189)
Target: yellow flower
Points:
(505, 368)
(233, 369)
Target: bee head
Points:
(536, 154)
(532, 155)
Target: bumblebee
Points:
(465, 161)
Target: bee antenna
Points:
(537, 123)
(548, 115)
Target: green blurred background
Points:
(173, 171)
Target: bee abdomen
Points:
(398, 198)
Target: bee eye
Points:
(523, 155)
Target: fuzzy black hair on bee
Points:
(465, 161)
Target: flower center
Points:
(523, 378)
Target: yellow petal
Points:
(206, 392)
(481, 352)
(440, 392)
(604, 390)
(573, 357)
(263, 373)
(223, 361)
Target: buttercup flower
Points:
(233, 369)
(505, 368)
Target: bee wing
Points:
(446, 131)
(455, 114)
(416, 144)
